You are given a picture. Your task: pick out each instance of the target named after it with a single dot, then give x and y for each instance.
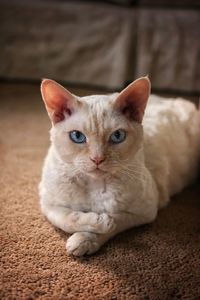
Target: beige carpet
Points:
(157, 261)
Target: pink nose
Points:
(97, 159)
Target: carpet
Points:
(156, 261)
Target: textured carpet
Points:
(157, 261)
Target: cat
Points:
(114, 160)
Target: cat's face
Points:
(96, 139)
(94, 135)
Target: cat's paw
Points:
(81, 243)
(104, 223)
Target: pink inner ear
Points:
(133, 99)
(59, 102)
(59, 113)
(59, 107)
(131, 112)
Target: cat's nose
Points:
(97, 159)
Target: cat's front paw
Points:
(81, 243)
(105, 223)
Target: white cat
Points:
(108, 168)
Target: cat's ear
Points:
(133, 99)
(59, 102)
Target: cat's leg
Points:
(75, 221)
(81, 243)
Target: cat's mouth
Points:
(97, 172)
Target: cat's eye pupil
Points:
(77, 134)
(77, 137)
(118, 136)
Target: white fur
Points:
(95, 207)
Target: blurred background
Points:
(102, 45)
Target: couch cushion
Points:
(168, 48)
(82, 43)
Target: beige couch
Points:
(102, 44)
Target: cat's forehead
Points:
(99, 113)
(97, 101)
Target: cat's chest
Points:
(102, 196)
(96, 195)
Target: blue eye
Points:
(118, 136)
(77, 137)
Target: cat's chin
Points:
(97, 173)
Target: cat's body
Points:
(100, 187)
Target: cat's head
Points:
(99, 134)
